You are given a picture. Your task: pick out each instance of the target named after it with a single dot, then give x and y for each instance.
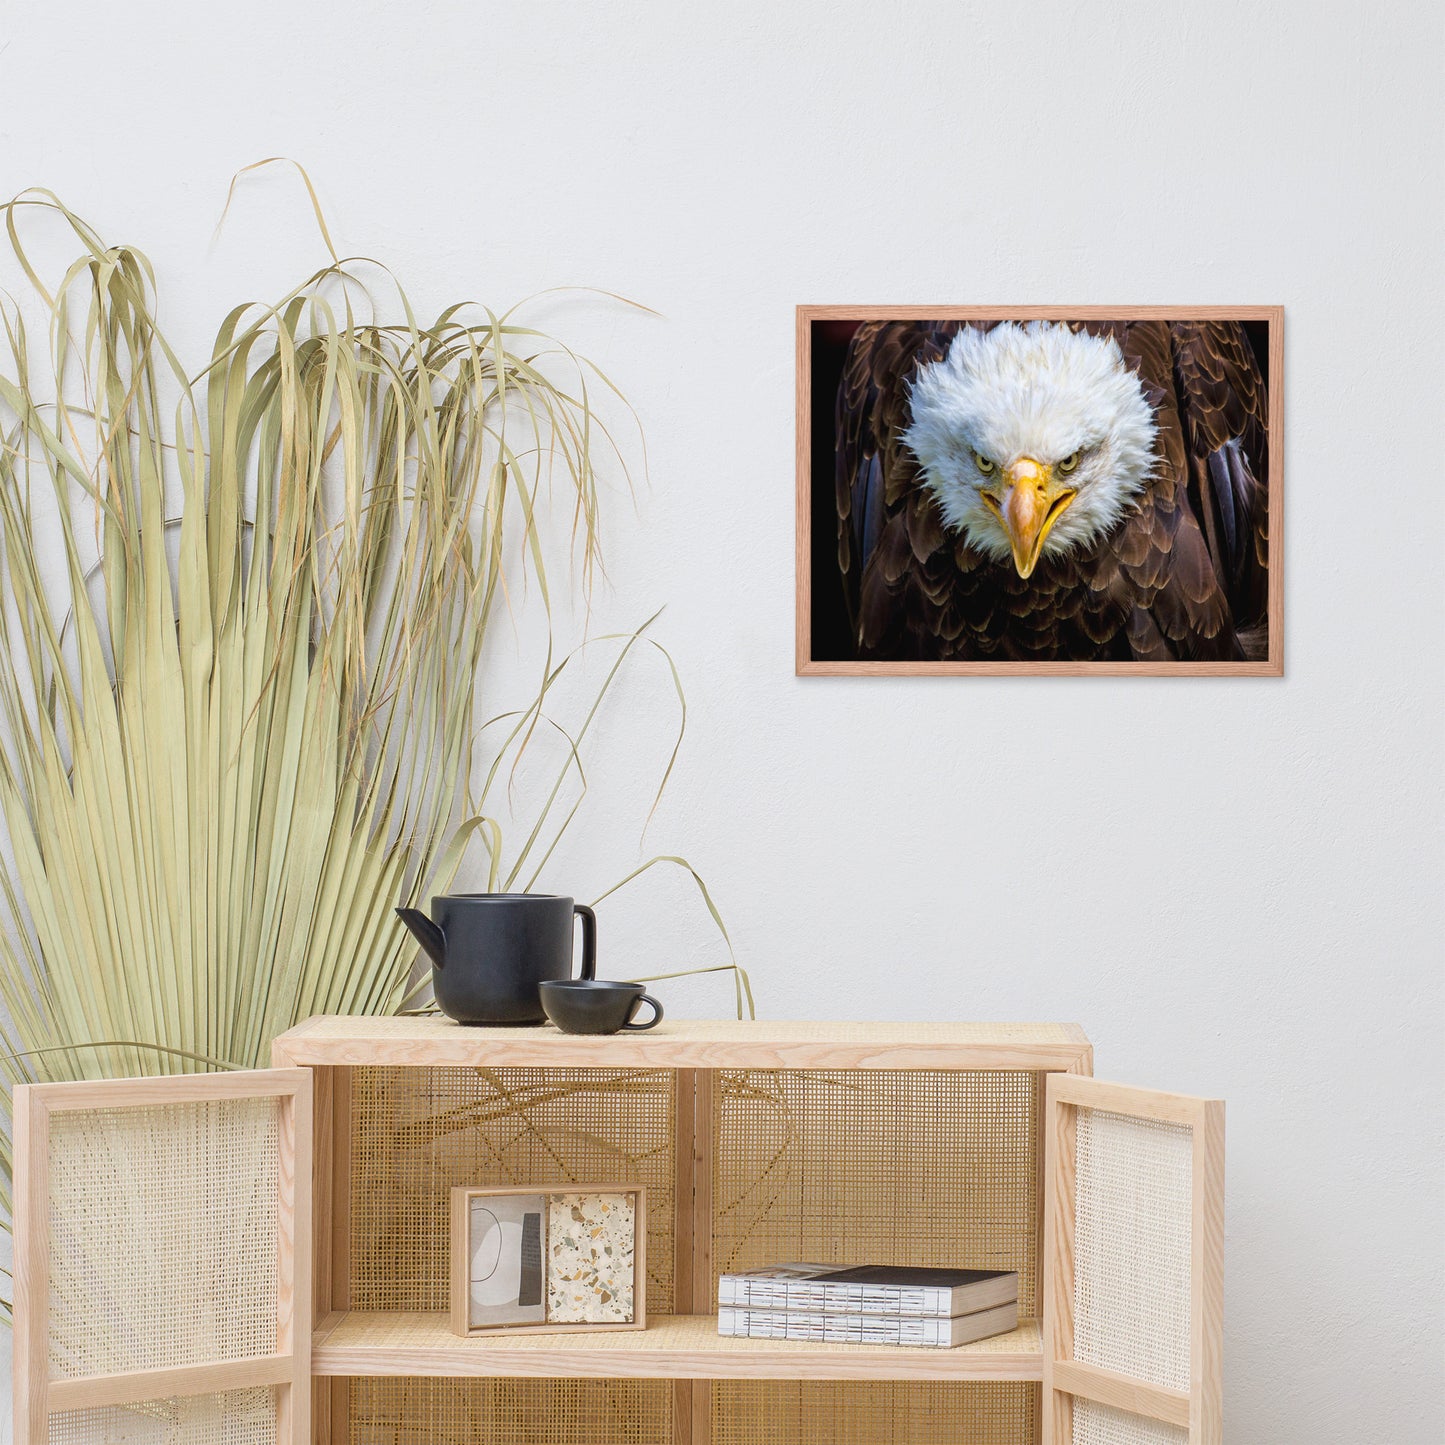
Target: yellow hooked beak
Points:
(1028, 501)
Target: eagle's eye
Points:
(1069, 462)
(986, 467)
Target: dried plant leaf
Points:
(237, 723)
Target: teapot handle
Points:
(589, 940)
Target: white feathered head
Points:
(1034, 439)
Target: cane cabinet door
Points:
(1133, 1266)
(162, 1260)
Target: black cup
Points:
(594, 1006)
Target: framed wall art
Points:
(548, 1258)
(1040, 490)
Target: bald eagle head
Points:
(1034, 439)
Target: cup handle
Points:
(589, 940)
(653, 1022)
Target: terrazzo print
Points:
(590, 1259)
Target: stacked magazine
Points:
(869, 1304)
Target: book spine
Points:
(835, 1328)
(817, 1296)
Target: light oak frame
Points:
(1198, 1410)
(37, 1395)
(808, 666)
(461, 1254)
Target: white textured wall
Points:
(1234, 885)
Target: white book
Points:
(869, 1289)
(836, 1329)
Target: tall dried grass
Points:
(242, 614)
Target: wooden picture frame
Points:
(461, 1314)
(828, 638)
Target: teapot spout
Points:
(426, 933)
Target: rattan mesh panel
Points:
(1096, 1424)
(777, 1412)
(237, 1417)
(418, 1132)
(401, 1411)
(1132, 1233)
(878, 1167)
(163, 1245)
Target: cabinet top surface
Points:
(702, 1044)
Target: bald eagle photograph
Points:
(1045, 491)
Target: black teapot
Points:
(490, 951)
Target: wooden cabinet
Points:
(982, 1144)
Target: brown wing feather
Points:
(1222, 400)
(875, 472)
(1160, 548)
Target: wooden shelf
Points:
(672, 1347)
(662, 1099)
(434, 1041)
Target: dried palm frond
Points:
(242, 615)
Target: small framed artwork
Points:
(525, 1258)
(1087, 490)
